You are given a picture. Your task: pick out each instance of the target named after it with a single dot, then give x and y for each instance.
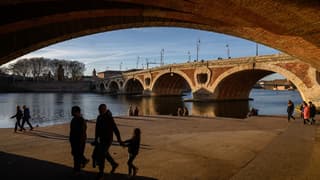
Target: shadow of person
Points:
(19, 167)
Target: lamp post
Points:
(138, 59)
(198, 48)
(161, 57)
(228, 51)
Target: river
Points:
(54, 108)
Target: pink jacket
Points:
(306, 112)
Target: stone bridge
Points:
(227, 79)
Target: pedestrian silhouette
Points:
(180, 112)
(313, 112)
(290, 110)
(105, 127)
(185, 111)
(136, 111)
(18, 117)
(130, 111)
(26, 117)
(77, 138)
(133, 145)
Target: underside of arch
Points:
(290, 26)
(113, 88)
(133, 86)
(238, 85)
(170, 84)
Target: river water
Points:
(54, 108)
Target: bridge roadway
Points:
(227, 79)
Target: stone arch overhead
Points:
(178, 72)
(274, 68)
(253, 20)
(136, 78)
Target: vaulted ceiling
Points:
(291, 26)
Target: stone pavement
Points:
(174, 148)
(292, 155)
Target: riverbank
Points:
(174, 148)
(45, 86)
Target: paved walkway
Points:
(292, 155)
(191, 148)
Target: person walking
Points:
(77, 139)
(130, 111)
(133, 145)
(312, 112)
(290, 110)
(26, 117)
(179, 112)
(18, 117)
(136, 111)
(306, 113)
(301, 110)
(185, 111)
(105, 127)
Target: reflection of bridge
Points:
(230, 79)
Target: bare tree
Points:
(77, 69)
(39, 66)
(20, 68)
(4, 70)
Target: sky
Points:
(120, 49)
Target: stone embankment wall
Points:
(9, 85)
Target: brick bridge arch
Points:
(236, 83)
(171, 83)
(133, 86)
(113, 87)
(290, 26)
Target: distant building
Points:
(108, 73)
(276, 84)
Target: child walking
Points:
(133, 145)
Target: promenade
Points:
(175, 148)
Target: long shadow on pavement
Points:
(20, 167)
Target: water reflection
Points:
(53, 108)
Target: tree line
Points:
(40, 67)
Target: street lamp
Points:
(171, 73)
(228, 51)
(198, 48)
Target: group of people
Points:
(183, 111)
(133, 112)
(105, 127)
(25, 116)
(308, 112)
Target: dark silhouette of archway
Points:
(133, 87)
(290, 26)
(113, 88)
